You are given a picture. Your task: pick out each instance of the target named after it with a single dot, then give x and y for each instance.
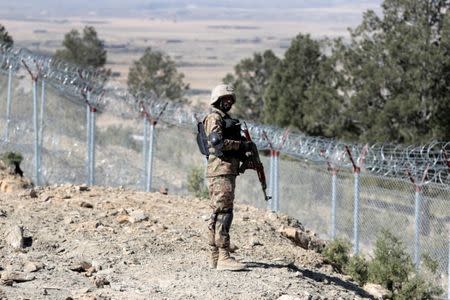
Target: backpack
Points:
(202, 139)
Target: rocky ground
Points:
(78, 242)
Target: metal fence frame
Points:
(373, 167)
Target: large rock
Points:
(377, 291)
(14, 237)
(8, 277)
(10, 181)
(138, 216)
(11, 185)
(306, 239)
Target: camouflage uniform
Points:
(221, 173)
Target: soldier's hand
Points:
(251, 165)
(246, 146)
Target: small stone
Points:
(99, 281)
(233, 248)
(287, 297)
(87, 297)
(33, 193)
(30, 267)
(90, 271)
(164, 190)
(83, 188)
(123, 219)
(255, 243)
(89, 225)
(46, 197)
(68, 220)
(138, 216)
(82, 266)
(86, 205)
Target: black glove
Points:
(246, 146)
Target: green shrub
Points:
(336, 252)
(430, 264)
(196, 183)
(391, 264)
(11, 158)
(418, 288)
(357, 268)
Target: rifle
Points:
(254, 162)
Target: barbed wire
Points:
(66, 77)
(390, 160)
(383, 159)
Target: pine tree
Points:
(5, 39)
(286, 94)
(250, 80)
(398, 69)
(156, 72)
(86, 50)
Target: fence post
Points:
(88, 142)
(8, 103)
(333, 203)
(333, 168)
(150, 157)
(36, 132)
(356, 171)
(145, 152)
(41, 124)
(34, 79)
(274, 202)
(90, 138)
(271, 181)
(276, 193)
(356, 214)
(417, 218)
(448, 271)
(417, 221)
(92, 143)
(148, 164)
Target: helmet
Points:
(220, 91)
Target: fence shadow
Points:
(316, 276)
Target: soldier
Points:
(226, 145)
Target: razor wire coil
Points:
(389, 160)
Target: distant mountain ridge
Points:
(198, 9)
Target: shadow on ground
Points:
(316, 276)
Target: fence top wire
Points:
(391, 160)
(69, 78)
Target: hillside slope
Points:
(108, 243)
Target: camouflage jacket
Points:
(228, 163)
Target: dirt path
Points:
(105, 243)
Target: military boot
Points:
(213, 257)
(228, 263)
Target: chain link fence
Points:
(332, 200)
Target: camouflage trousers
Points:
(221, 192)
